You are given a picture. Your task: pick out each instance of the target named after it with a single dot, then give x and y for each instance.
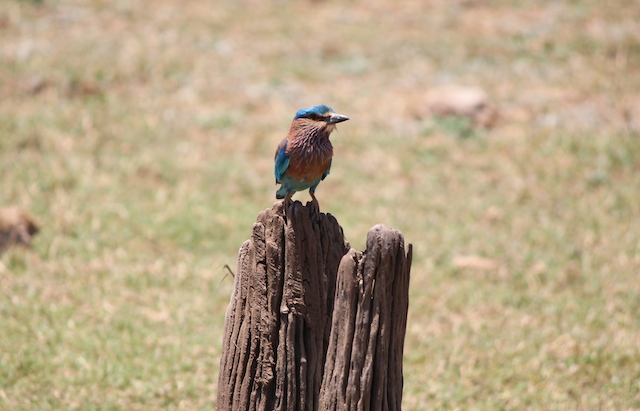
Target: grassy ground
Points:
(141, 134)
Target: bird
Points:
(303, 158)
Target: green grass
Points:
(141, 135)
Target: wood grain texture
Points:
(363, 368)
(279, 317)
(313, 324)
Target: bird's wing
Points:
(282, 160)
(326, 173)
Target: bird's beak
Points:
(337, 118)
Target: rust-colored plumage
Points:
(303, 158)
(310, 150)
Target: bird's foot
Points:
(315, 206)
(286, 203)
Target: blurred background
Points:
(501, 137)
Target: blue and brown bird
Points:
(303, 158)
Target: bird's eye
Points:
(313, 116)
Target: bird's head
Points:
(320, 116)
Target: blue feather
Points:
(320, 110)
(306, 151)
(282, 161)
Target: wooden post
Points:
(286, 345)
(363, 369)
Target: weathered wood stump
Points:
(363, 369)
(292, 340)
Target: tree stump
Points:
(283, 332)
(363, 369)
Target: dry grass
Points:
(141, 135)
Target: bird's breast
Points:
(309, 162)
